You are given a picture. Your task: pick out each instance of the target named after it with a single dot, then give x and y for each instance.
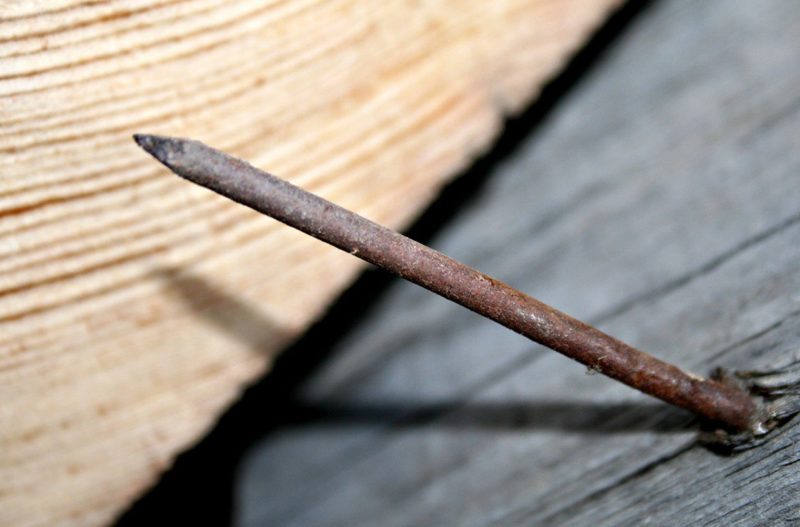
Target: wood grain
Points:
(658, 200)
(119, 344)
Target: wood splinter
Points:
(734, 406)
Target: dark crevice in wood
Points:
(464, 190)
(566, 512)
(699, 272)
(768, 455)
(754, 336)
(790, 463)
(773, 120)
(746, 464)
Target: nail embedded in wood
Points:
(727, 404)
(778, 392)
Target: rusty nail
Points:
(717, 402)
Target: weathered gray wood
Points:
(661, 201)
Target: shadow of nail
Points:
(199, 487)
(224, 310)
(585, 417)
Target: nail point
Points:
(158, 146)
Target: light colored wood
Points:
(115, 348)
(658, 200)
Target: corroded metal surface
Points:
(715, 401)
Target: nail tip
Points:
(145, 141)
(156, 146)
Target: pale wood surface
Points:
(660, 200)
(116, 348)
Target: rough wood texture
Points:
(118, 348)
(660, 201)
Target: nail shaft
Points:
(241, 182)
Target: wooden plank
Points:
(659, 201)
(120, 285)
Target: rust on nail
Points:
(715, 401)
